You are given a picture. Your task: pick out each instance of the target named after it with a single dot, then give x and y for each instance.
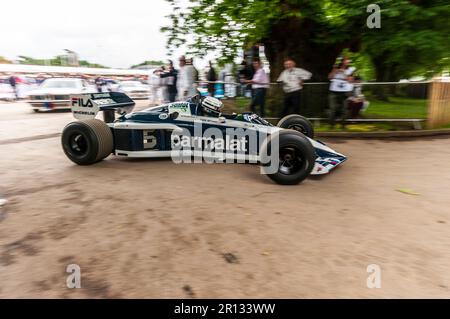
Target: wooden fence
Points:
(439, 103)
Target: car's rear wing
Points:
(86, 106)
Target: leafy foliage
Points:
(414, 39)
(414, 34)
(220, 25)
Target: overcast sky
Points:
(115, 33)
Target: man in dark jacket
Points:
(211, 77)
(172, 75)
(13, 82)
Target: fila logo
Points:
(79, 102)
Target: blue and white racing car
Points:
(194, 128)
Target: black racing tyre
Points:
(296, 157)
(87, 142)
(298, 123)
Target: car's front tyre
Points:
(292, 162)
(87, 142)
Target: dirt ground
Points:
(154, 229)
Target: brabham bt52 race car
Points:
(287, 152)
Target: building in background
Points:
(70, 58)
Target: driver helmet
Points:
(212, 106)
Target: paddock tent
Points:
(30, 69)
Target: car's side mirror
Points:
(174, 115)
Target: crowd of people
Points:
(168, 84)
(345, 96)
(175, 83)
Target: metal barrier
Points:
(416, 123)
(314, 100)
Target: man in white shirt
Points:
(341, 88)
(292, 79)
(186, 79)
(260, 82)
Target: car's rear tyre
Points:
(87, 142)
(296, 157)
(298, 123)
(36, 110)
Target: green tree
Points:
(29, 60)
(414, 39)
(314, 33)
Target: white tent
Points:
(23, 68)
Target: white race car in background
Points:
(55, 93)
(134, 89)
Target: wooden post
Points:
(439, 103)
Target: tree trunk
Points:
(380, 75)
(384, 72)
(290, 38)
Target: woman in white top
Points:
(341, 87)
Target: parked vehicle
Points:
(55, 93)
(134, 89)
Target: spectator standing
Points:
(39, 79)
(164, 86)
(341, 88)
(292, 79)
(156, 86)
(99, 84)
(186, 79)
(246, 73)
(211, 77)
(229, 81)
(193, 76)
(181, 83)
(13, 82)
(260, 83)
(357, 103)
(171, 77)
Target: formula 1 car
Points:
(287, 152)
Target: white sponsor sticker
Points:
(83, 107)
